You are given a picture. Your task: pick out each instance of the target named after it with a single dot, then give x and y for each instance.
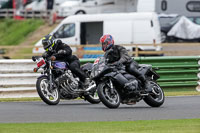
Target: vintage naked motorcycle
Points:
(112, 83)
(58, 82)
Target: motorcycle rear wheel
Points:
(109, 100)
(157, 98)
(50, 98)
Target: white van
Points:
(126, 28)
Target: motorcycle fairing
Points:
(147, 70)
(87, 67)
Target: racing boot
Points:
(145, 85)
(141, 77)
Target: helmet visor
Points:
(46, 44)
(50, 48)
(104, 46)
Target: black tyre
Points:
(93, 99)
(50, 98)
(108, 99)
(157, 97)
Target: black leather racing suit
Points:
(63, 52)
(119, 55)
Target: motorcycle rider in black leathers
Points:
(117, 55)
(57, 50)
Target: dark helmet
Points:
(107, 42)
(48, 42)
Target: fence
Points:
(81, 51)
(48, 15)
(168, 49)
(10, 13)
(175, 72)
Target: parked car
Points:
(168, 21)
(71, 7)
(5, 4)
(185, 30)
(36, 5)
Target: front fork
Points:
(50, 76)
(110, 85)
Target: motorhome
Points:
(126, 28)
(188, 8)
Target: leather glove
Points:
(53, 58)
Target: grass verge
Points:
(181, 92)
(20, 99)
(168, 92)
(13, 32)
(144, 126)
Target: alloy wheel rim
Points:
(157, 91)
(51, 96)
(114, 99)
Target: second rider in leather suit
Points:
(118, 55)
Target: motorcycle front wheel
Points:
(109, 99)
(49, 97)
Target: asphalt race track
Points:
(78, 110)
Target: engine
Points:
(68, 82)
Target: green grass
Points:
(145, 126)
(13, 32)
(180, 92)
(168, 92)
(20, 99)
(183, 93)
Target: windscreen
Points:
(98, 67)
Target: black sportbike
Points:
(58, 82)
(115, 85)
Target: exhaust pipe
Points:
(91, 87)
